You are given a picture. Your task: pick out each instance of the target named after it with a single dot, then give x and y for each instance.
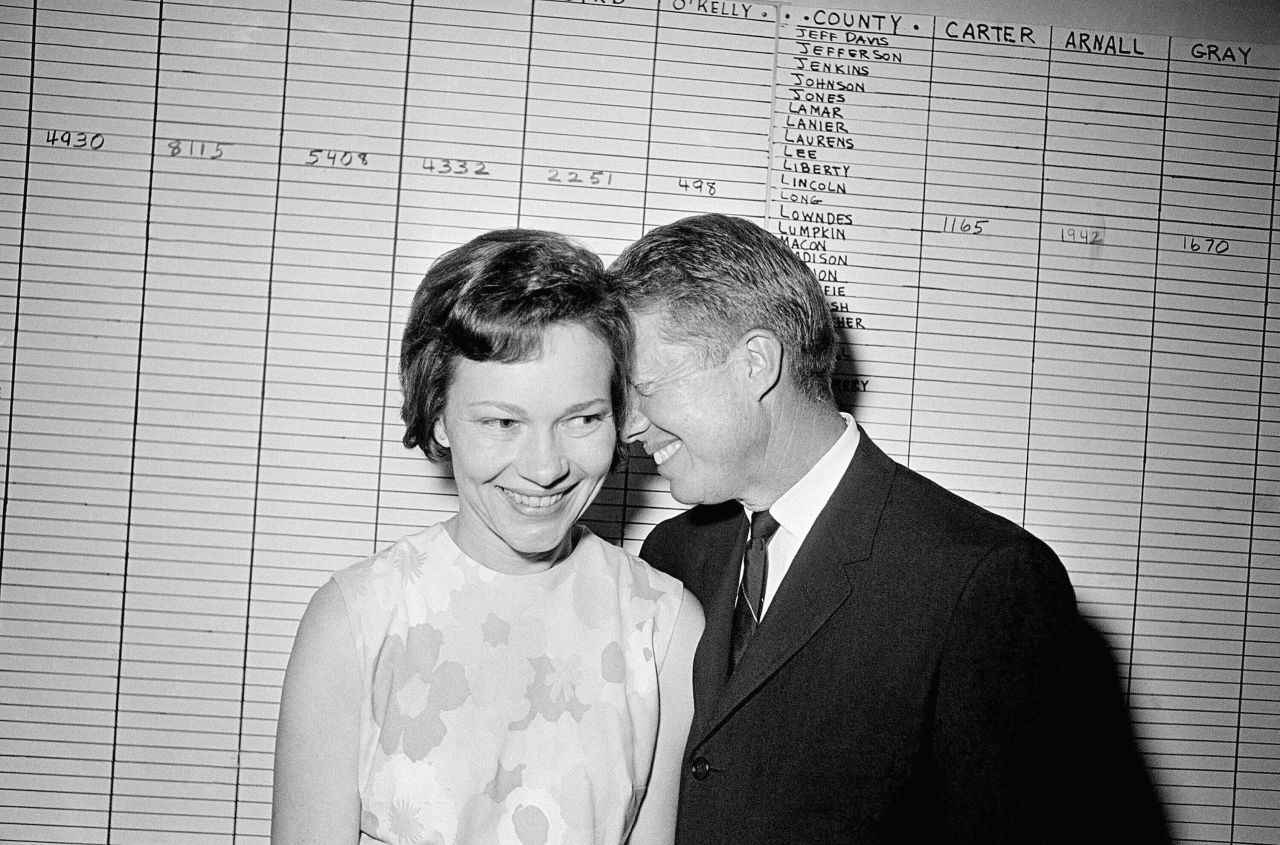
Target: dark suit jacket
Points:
(922, 675)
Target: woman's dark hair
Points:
(492, 299)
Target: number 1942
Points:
(1081, 235)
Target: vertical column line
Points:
(625, 469)
(1151, 353)
(648, 145)
(1035, 308)
(524, 117)
(1253, 496)
(391, 296)
(924, 203)
(773, 104)
(17, 299)
(262, 402)
(137, 401)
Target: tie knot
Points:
(763, 526)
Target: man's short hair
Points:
(492, 299)
(715, 277)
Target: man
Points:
(883, 661)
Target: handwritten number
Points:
(74, 140)
(697, 186)
(596, 178)
(964, 225)
(1080, 235)
(195, 149)
(1209, 246)
(336, 158)
(455, 167)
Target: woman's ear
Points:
(764, 354)
(440, 433)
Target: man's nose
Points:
(635, 423)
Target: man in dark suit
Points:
(883, 661)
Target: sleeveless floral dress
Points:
(503, 708)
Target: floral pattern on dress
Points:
(506, 708)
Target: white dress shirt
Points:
(798, 508)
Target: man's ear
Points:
(440, 433)
(764, 360)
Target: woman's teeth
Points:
(533, 501)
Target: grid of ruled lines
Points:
(708, 151)
(1103, 137)
(1050, 254)
(1258, 729)
(75, 378)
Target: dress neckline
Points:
(550, 575)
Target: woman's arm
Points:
(656, 820)
(316, 799)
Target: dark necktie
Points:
(755, 569)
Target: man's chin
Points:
(687, 494)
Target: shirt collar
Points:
(797, 509)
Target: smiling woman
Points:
(498, 676)
(534, 440)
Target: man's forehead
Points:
(652, 324)
(658, 359)
(654, 341)
(662, 362)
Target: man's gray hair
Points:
(716, 277)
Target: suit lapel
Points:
(815, 586)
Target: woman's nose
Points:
(543, 460)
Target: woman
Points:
(503, 676)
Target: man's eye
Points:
(499, 423)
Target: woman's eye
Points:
(584, 422)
